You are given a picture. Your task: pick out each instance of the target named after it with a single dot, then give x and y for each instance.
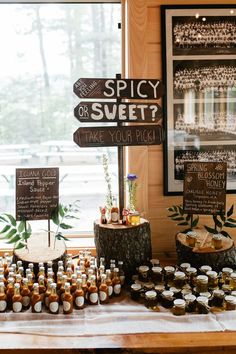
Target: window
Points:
(45, 48)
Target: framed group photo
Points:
(199, 75)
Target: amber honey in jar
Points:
(3, 298)
(93, 292)
(17, 299)
(79, 299)
(179, 279)
(151, 300)
(67, 302)
(169, 274)
(201, 283)
(212, 279)
(232, 281)
(176, 291)
(230, 302)
(191, 238)
(179, 307)
(157, 275)
(202, 305)
(103, 290)
(36, 300)
(135, 291)
(25, 293)
(190, 300)
(191, 273)
(159, 290)
(143, 271)
(225, 275)
(167, 298)
(53, 300)
(217, 299)
(217, 240)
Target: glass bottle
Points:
(179, 279)
(212, 279)
(201, 283)
(48, 292)
(190, 300)
(41, 271)
(157, 275)
(69, 274)
(3, 298)
(53, 299)
(102, 261)
(184, 266)
(10, 292)
(191, 273)
(25, 293)
(114, 212)
(30, 281)
(109, 282)
(217, 299)
(103, 290)
(151, 300)
(18, 280)
(93, 292)
(204, 269)
(232, 281)
(59, 281)
(50, 276)
(18, 265)
(202, 305)
(67, 300)
(134, 218)
(121, 272)
(62, 288)
(179, 307)
(42, 287)
(225, 275)
(90, 273)
(169, 274)
(230, 302)
(31, 267)
(36, 301)
(101, 271)
(191, 238)
(167, 298)
(103, 219)
(85, 286)
(143, 273)
(2, 277)
(135, 291)
(116, 282)
(73, 284)
(17, 299)
(217, 240)
(79, 295)
(21, 272)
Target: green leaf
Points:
(64, 238)
(14, 239)
(71, 217)
(5, 229)
(173, 215)
(224, 233)
(188, 217)
(26, 235)
(170, 209)
(195, 222)
(55, 217)
(183, 223)
(21, 226)
(180, 218)
(230, 211)
(61, 210)
(65, 226)
(231, 220)
(175, 208)
(228, 224)
(3, 219)
(181, 210)
(186, 230)
(19, 245)
(12, 219)
(10, 233)
(217, 222)
(209, 229)
(222, 216)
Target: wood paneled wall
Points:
(142, 59)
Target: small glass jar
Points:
(191, 238)
(184, 266)
(143, 273)
(179, 279)
(202, 305)
(134, 218)
(204, 269)
(169, 274)
(226, 289)
(232, 281)
(135, 291)
(217, 299)
(177, 292)
(148, 286)
(201, 284)
(217, 240)
(167, 299)
(190, 300)
(230, 302)
(225, 274)
(159, 289)
(179, 307)
(185, 292)
(157, 275)
(191, 274)
(212, 279)
(151, 300)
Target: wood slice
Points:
(38, 251)
(130, 244)
(203, 253)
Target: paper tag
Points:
(79, 300)
(38, 306)
(17, 306)
(53, 306)
(93, 297)
(3, 305)
(66, 306)
(25, 301)
(117, 289)
(110, 290)
(114, 217)
(102, 295)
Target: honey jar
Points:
(191, 238)
(135, 291)
(143, 273)
(157, 275)
(217, 299)
(190, 300)
(201, 283)
(177, 292)
(217, 240)
(151, 300)
(204, 269)
(179, 279)
(225, 274)
(202, 305)
(184, 266)
(167, 299)
(191, 273)
(232, 281)
(159, 289)
(179, 307)
(169, 274)
(230, 302)
(134, 218)
(212, 279)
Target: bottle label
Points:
(38, 306)
(3, 305)
(46, 301)
(25, 301)
(17, 306)
(114, 217)
(79, 301)
(66, 306)
(93, 297)
(102, 295)
(110, 290)
(117, 289)
(53, 306)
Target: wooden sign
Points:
(37, 192)
(118, 88)
(96, 112)
(119, 136)
(204, 187)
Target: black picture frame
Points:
(199, 76)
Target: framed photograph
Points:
(199, 75)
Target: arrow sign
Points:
(119, 136)
(95, 112)
(118, 88)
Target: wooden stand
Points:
(130, 244)
(204, 254)
(38, 251)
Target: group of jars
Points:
(72, 286)
(216, 240)
(184, 288)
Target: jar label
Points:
(117, 289)
(114, 217)
(53, 306)
(17, 306)
(38, 306)
(93, 297)
(66, 306)
(3, 305)
(102, 295)
(25, 301)
(79, 301)
(110, 290)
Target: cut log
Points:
(38, 251)
(204, 254)
(130, 244)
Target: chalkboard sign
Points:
(118, 88)
(119, 136)
(96, 112)
(204, 187)
(37, 192)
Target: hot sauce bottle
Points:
(30, 281)
(2, 277)
(93, 292)
(62, 289)
(79, 295)
(69, 274)
(53, 299)
(114, 212)
(85, 286)
(90, 274)
(41, 271)
(121, 272)
(103, 290)
(21, 272)
(116, 282)
(42, 287)
(50, 276)
(17, 299)
(3, 298)
(59, 281)
(31, 267)
(36, 301)
(73, 284)
(48, 292)
(10, 292)
(25, 293)
(67, 300)
(109, 282)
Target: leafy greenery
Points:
(177, 214)
(17, 232)
(221, 221)
(109, 195)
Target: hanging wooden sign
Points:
(204, 187)
(37, 192)
(119, 136)
(95, 112)
(118, 88)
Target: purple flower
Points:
(131, 177)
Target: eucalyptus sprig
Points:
(182, 218)
(221, 221)
(109, 195)
(15, 232)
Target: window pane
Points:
(45, 48)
